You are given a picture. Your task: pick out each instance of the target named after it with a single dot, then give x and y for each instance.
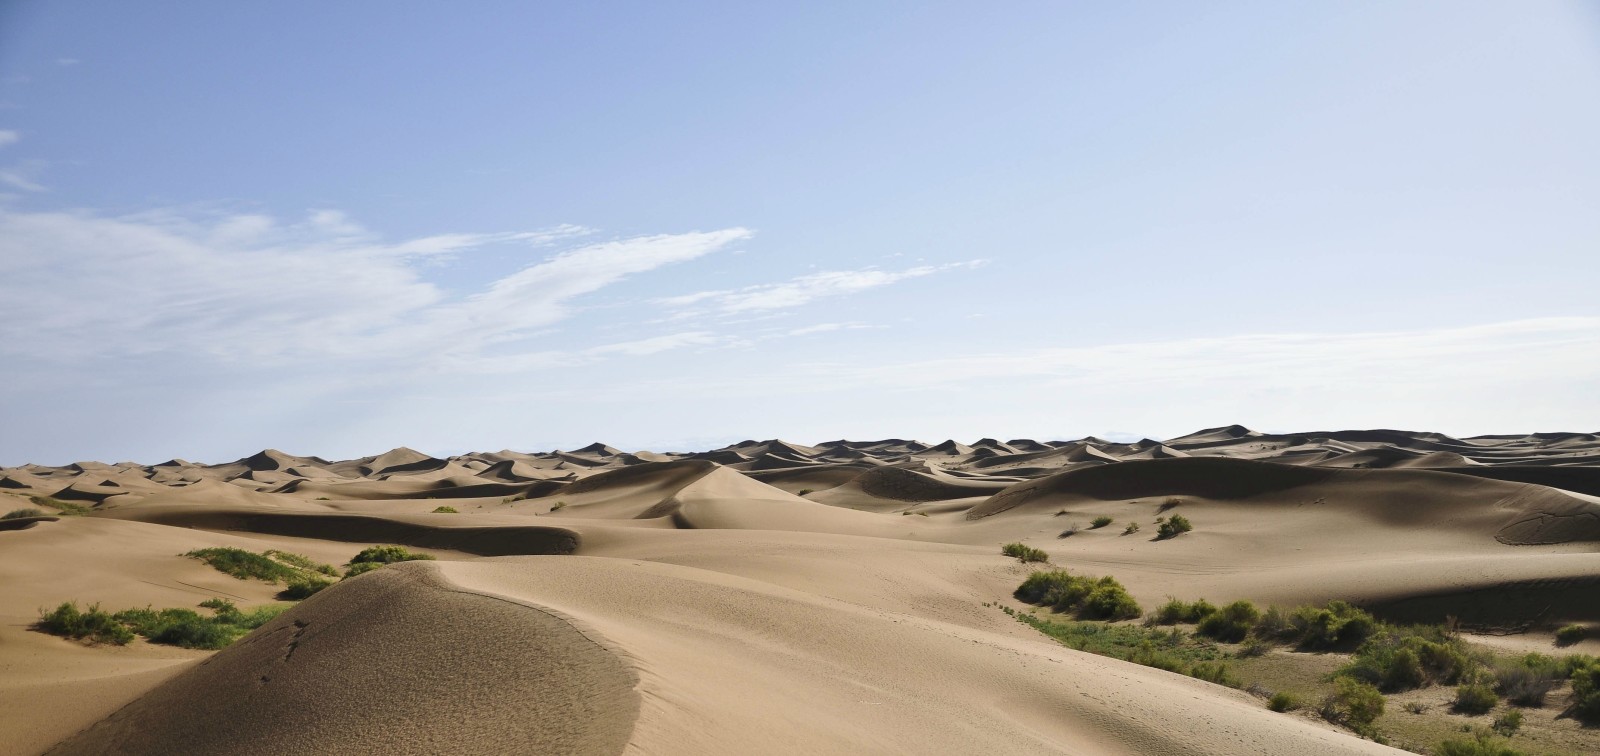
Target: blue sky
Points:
(339, 228)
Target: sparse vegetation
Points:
(1336, 625)
(1024, 553)
(1474, 698)
(302, 561)
(1090, 598)
(1175, 526)
(445, 510)
(1482, 744)
(1508, 723)
(1071, 530)
(93, 625)
(1402, 658)
(303, 588)
(17, 514)
(1175, 611)
(1353, 704)
(1568, 634)
(1169, 650)
(558, 506)
(1282, 702)
(1133, 527)
(245, 565)
(1169, 504)
(1586, 689)
(1100, 522)
(1528, 680)
(63, 508)
(805, 491)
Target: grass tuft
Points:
(1024, 553)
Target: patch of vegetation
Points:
(1482, 744)
(445, 510)
(1175, 611)
(1231, 623)
(64, 508)
(303, 588)
(1024, 553)
(1570, 634)
(1133, 527)
(1175, 526)
(1337, 625)
(1528, 680)
(245, 565)
(361, 569)
(557, 506)
(1071, 530)
(805, 491)
(1353, 704)
(1169, 650)
(1099, 522)
(373, 557)
(17, 514)
(1169, 504)
(1508, 723)
(1281, 702)
(1089, 598)
(93, 625)
(189, 629)
(1474, 698)
(1403, 658)
(1586, 690)
(302, 561)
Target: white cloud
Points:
(805, 289)
(244, 290)
(657, 344)
(826, 328)
(8, 136)
(67, 61)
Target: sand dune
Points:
(768, 596)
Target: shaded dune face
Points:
(395, 661)
(767, 596)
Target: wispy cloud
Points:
(658, 344)
(804, 289)
(247, 290)
(8, 137)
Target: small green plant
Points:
(1416, 707)
(1474, 698)
(1024, 553)
(63, 508)
(1100, 522)
(1508, 723)
(1566, 636)
(805, 491)
(1169, 504)
(1214, 672)
(558, 506)
(1253, 647)
(1133, 527)
(303, 588)
(1527, 680)
(1586, 690)
(1281, 702)
(93, 625)
(361, 569)
(1071, 530)
(1090, 598)
(1175, 526)
(445, 510)
(301, 561)
(17, 514)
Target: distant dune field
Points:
(772, 597)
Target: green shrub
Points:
(1133, 527)
(1527, 681)
(244, 564)
(1353, 704)
(63, 508)
(1474, 698)
(1214, 672)
(445, 510)
(1481, 745)
(1024, 553)
(1566, 636)
(189, 629)
(1175, 611)
(1110, 601)
(93, 625)
(805, 491)
(1508, 723)
(303, 588)
(361, 569)
(388, 555)
(1252, 647)
(17, 514)
(1071, 530)
(1402, 658)
(1281, 702)
(1168, 504)
(1175, 526)
(1231, 623)
(1100, 522)
(1337, 625)
(1104, 598)
(1586, 691)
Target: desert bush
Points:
(63, 508)
(805, 491)
(1566, 636)
(1169, 504)
(1100, 522)
(303, 588)
(361, 569)
(93, 625)
(387, 555)
(244, 564)
(1527, 681)
(1175, 526)
(17, 514)
(1252, 647)
(1481, 745)
(1175, 611)
(1133, 527)
(1416, 707)
(1353, 704)
(1071, 530)
(1230, 623)
(1282, 702)
(1110, 601)
(1024, 553)
(445, 510)
(1508, 723)
(1337, 625)
(189, 629)
(558, 506)
(1104, 598)
(1474, 698)
(1586, 691)
(1402, 658)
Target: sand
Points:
(771, 597)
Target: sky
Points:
(338, 228)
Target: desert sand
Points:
(766, 597)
